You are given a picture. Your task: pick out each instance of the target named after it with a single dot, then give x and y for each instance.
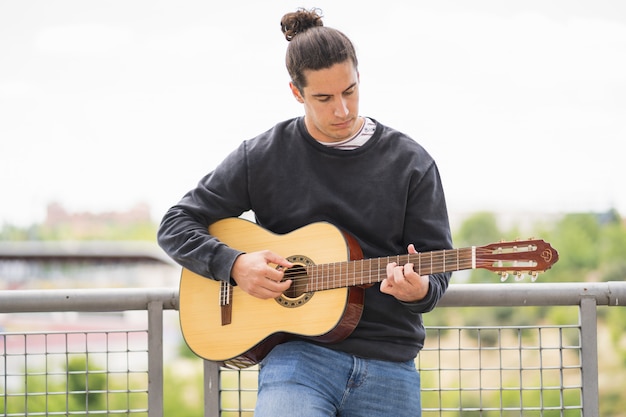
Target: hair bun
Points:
(297, 22)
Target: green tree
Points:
(86, 384)
(478, 229)
(577, 235)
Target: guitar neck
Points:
(370, 271)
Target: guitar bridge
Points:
(226, 302)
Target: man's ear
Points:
(296, 92)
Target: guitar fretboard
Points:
(369, 271)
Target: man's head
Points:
(322, 64)
(313, 46)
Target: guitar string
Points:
(450, 264)
(305, 284)
(485, 258)
(331, 275)
(355, 274)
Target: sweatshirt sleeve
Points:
(183, 232)
(436, 290)
(429, 230)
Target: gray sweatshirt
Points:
(386, 194)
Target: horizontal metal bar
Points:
(109, 299)
(470, 295)
(534, 294)
(83, 251)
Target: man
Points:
(336, 166)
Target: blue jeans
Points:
(300, 379)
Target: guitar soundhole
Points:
(296, 295)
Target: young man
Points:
(336, 166)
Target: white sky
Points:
(105, 104)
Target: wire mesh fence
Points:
(502, 371)
(548, 368)
(74, 373)
(474, 371)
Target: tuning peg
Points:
(503, 276)
(533, 276)
(519, 276)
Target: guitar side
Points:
(257, 325)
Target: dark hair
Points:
(313, 46)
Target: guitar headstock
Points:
(517, 257)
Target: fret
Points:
(362, 272)
(444, 260)
(419, 266)
(340, 275)
(430, 264)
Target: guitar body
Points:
(255, 326)
(222, 323)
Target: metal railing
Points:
(75, 345)
(465, 369)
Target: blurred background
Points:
(111, 110)
(105, 106)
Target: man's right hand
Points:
(254, 275)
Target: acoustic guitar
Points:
(222, 323)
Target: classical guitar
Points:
(222, 323)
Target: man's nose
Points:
(341, 107)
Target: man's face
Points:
(331, 102)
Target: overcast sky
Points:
(106, 104)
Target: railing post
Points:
(211, 389)
(589, 348)
(155, 359)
